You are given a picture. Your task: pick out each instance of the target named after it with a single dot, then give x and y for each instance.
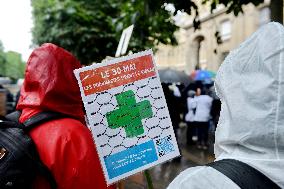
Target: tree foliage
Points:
(2, 60)
(15, 66)
(11, 64)
(191, 8)
(91, 29)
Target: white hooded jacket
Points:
(250, 84)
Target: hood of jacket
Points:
(50, 84)
(250, 84)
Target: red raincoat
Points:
(65, 145)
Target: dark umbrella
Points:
(174, 76)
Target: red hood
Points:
(50, 84)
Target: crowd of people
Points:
(197, 106)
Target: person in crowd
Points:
(215, 109)
(177, 98)
(9, 99)
(19, 83)
(191, 134)
(2, 102)
(202, 117)
(172, 103)
(251, 125)
(65, 145)
(176, 90)
(184, 95)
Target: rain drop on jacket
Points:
(250, 84)
(65, 145)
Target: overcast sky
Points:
(15, 26)
(16, 23)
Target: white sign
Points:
(124, 40)
(128, 114)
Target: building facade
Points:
(200, 47)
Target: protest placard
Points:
(127, 114)
(124, 40)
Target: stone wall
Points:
(200, 46)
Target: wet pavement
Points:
(164, 173)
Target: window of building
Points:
(226, 30)
(264, 16)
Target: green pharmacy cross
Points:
(129, 115)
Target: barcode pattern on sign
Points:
(165, 145)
